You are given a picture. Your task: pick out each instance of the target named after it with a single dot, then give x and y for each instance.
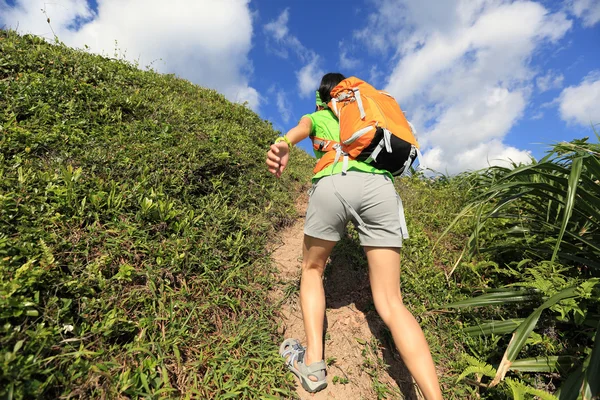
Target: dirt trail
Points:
(366, 364)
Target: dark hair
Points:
(328, 82)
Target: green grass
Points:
(135, 217)
(135, 210)
(135, 213)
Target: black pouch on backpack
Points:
(397, 161)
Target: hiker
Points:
(335, 198)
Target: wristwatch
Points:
(284, 139)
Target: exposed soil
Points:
(355, 335)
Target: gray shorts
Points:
(372, 196)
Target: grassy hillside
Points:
(134, 213)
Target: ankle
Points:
(311, 358)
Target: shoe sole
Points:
(310, 389)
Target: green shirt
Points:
(325, 126)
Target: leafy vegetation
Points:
(540, 223)
(520, 288)
(135, 211)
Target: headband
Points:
(319, 102)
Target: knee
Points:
(313, 266)
(389, 308)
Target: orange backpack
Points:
(373, 129)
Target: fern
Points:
(520, 390)
(47, 253)
(542, 394)
(546, 277)
(477, 367)
(517, 388)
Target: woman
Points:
(380, 235)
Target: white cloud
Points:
(244, 94)
(347, 62)
(588, 10)
(494, 49)
(283, 106)
(463, 72)
(180, 33)
(375, 75)
(477, 118)
(374, 40)
(581, 104)
(278, 28)
(482, 155)
(551, 80)
(310, 74)
(309, 77)
(283, 40)
(403, 25)
(538, 115)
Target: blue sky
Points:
(482, 80)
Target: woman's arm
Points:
(279, 153)
(300, 131)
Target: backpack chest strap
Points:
(324, 145)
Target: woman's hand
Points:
(277, 158)
(279, 153)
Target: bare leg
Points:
(312, 295)
(384, 274)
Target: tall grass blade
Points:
(524, 330)
(460, 215)
(494, 327)
(504, 297)
(570, 389)
(543, 364)
(591, 381)
(576, 168)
